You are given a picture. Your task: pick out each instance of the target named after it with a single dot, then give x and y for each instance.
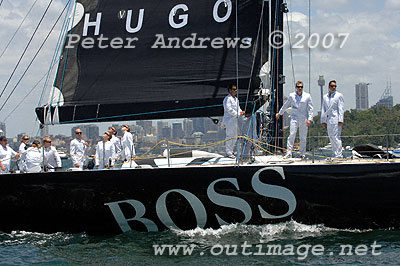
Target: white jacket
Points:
(77, 150)
(51, 158)
(5, 156)
(127, 145)
(231, 110)
(117, 145)
(302, 106)
(33, 159)
(332, 108)
(103, 156)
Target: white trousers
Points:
(334, 132)
(231, 132)
(302, 126)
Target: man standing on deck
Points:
(301, 104)
(77, 149)
(332, 117)
(232, 112)
(6, 154)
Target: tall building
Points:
(199, 125)
(362, 96)
(166, 132)
(3, 131)
(160, 126)
(188, 127)
(177, 132)
(91, 131)
(386, 98)
(146, 125)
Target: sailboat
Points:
(132, 60)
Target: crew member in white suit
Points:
(301, 104)
(6, 153)
(33, 158)
(105, 152)
(116, 141)
(52, 159)
(232, 112)
(22, 148)
(77, 149)
(332, 117)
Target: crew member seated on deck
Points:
(232, 112)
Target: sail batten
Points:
(152, 59)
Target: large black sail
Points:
(130, 60)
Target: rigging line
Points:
(26, 48)
(65, 59)
(1, 3)
(33, 59)
(291, 49)
(54, 59)
(237, 74)
(15, 33)
(26, 96)
(254, 57)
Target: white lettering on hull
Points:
(266, 190)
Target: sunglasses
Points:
(332, 86)
(48, 141)
(299, 86)
(78, 133)
(25, 139)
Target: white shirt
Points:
(22, 148)
(5, 156)
(109, 153)
(117, 145)
(231, 109)
(51, 158)
(33, 158)
(77, 150)
(301, 105)
(127, 145)
(332, 108)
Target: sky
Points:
(370, 54)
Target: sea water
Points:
(287, 243)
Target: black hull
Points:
(337, 195)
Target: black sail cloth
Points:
(114, 81)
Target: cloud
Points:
(392, 4)
(298, 17)
(370, 54)
(330, 4)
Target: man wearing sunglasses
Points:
(232, 112)
(301, 105)
(77, 149)
(332, 117)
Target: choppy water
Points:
(134, 248)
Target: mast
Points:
(278, 79)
